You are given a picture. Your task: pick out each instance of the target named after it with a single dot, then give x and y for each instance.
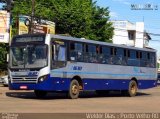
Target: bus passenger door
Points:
(59, 57)
(58, 54)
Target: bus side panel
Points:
(103, 77)
(115, 84)
(59, 84)
(54, 84)
(105, 84)
(145, 84)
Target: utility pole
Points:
(31, 26)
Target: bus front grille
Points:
(24, 80)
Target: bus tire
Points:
(40, 94)
(132, 90)
(73, 92)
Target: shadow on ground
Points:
(53, 95)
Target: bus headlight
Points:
(42, 78)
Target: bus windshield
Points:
(30, 56)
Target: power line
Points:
(153, 34)
(125, 36)
(152, 27)
(156, 40)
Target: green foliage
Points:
(78, 18)
(102, 28)
(3, 56)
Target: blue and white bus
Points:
(46, 63)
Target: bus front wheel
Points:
(40, 94)
(132, 90)
(73, 92)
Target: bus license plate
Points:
(23, 87)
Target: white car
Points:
(5, 80)
(0, 80)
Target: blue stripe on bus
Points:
(63, 84)
(95, 73)
(114, 84)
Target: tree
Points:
(74, 18)
(101, 27)
(3, 56)
(78, 18)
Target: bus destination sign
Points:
(28, 39)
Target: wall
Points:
(4, 26)
(139, 42)
(121, 33)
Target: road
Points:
(146, 101)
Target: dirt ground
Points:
(146, 101)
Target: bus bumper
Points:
(56, 84)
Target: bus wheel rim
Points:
(74, 89)
(133, 89)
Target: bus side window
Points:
(124, 62)
(132, 60)
(105, 54)
(120, 56)
(72, 52)
(153, 60)
(143, 61)
(111, 57)
(148, 59)
(61, 54)
(76, 51)
(90, 53)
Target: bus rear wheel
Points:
(40, 94)
(73, 92)
(132, 90)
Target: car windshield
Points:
(30, 56)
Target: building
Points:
(130, 34)
(4, 26)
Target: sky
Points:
(121, 10)
(1, 4)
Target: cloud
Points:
(126, 2)
(113, 14)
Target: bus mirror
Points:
(7, 59)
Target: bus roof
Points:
(101, 43)
(69, 38)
